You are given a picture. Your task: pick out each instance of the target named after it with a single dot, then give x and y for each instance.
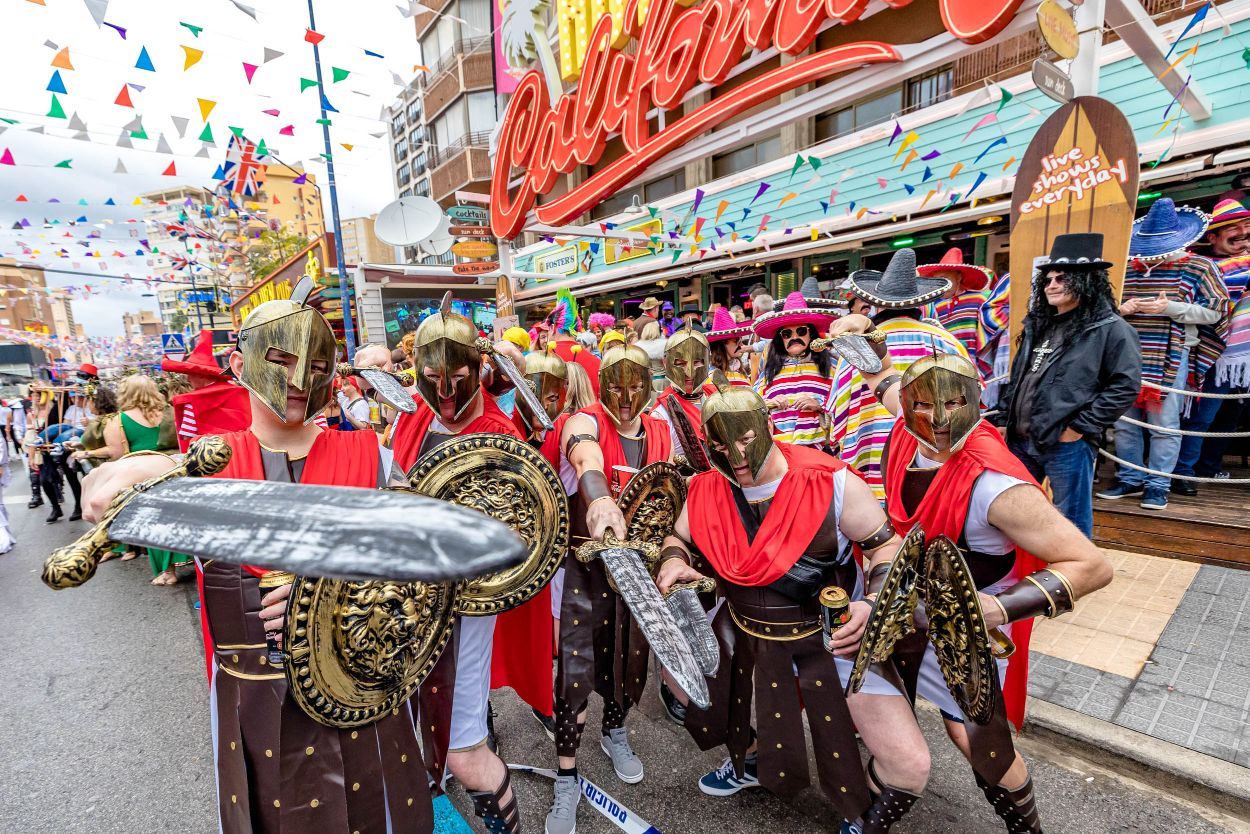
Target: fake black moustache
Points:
(798, 342)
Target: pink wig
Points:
(604, 320)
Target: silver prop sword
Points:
(386, 385)
(852, 347)
(683, 603)
(624, 563)
(525, 395)
(318, 531)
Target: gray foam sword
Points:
(388, 386)
(683, 603)
(624, 563)
(852, 347)
(320, 531)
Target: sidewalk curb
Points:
(1103, 738)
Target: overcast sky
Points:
(104, 62)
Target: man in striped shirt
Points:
(860, 425)
(794, 381)
(959, 308)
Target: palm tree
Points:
(525, 39)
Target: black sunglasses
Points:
(801, 330)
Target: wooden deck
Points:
(1213, 527)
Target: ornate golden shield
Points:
(651, 502)
(892, 618)
(509, 481)
(957, 630)
(358, 650)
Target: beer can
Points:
(267, 582)
(834, 610)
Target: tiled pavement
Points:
(1164, 650)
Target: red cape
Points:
(944, 511)
(523, 636)
(219, 408)
(582, 357)
(669, 396)
(794, 516)
(335, 459)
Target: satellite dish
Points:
(407, 221)
(440, 242)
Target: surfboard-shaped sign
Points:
(475, 249)
(1079, 174)
(475, 267)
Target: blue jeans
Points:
(1201, 417)
(1165, 447)
(1070, 468)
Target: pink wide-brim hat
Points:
(724, 327)
(793, 313)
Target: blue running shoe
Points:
(724, 782)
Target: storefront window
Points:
(741, 159)
(930, 88)
(404, 315)
(859, 116)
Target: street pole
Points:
(195, 295)
(1086, 65)
(349, 329)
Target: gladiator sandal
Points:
(497, 818)
(1017, 808)
(888, 807)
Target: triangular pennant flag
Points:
(815, 163)
(134, 124)
(139, 134)
(6, 158)
(110, 201)
(261, 150)
(289, 130)
(247, 10)
(56, 85)
(162, 146)
(194, 30)
(272, 112)
(931, 155)
(145, 60)
(121, 30)
(928, 174)
(220, 173)
(347, 145)
(76, 123)
(138, 88)
(1002, 102)
(123, 141)
(907, 142)
(373, 54)
(206, 135)
(206, 107)
(192, 57)
(180, 125)
(171, 171)
(313, 37)
(81, 136)
(338, 74)
(64, 163)
(300, 180)
(237, 131)
(305, 83)
(249, 70)
(910, 189)
(123, 98)
(98, 9)
(21, 198)
(61, 59)
(325, 122)
(326, 105)
(202, 152)
(898, 131)
(56, 111)
(271, 54)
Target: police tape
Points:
(600, 800)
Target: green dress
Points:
(141, 438)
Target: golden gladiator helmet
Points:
(686, 359)
(550, 377)
(445, 343)
(730, 414)
(928, 385)
(288, 325)
(625, 382)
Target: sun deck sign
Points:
(677, 45)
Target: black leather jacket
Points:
(1086, 385)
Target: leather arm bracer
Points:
(1044, 593)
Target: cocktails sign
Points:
(678, 45)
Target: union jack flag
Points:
(243, 171)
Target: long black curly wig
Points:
(1092, 288)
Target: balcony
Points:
(460, 164)
(467, 66)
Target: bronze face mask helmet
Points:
(291, 327)
(686, 360)
(728, 415)
(625, 369)
(935, 381)
(550, 378)
(445, 343)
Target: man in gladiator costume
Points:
(278, 769)
(600, 647)
(686, 366)
(778, 524)
(951, 473)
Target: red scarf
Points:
(411, 428)
(944, 510)
(797, 511)
(335, 459)
(218, 408)
(659, 444)
(692, 409)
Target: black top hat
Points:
(1075, 251)
(689, 309)
(900, 287)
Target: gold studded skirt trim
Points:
(782, 631)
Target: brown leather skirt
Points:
(760, 671)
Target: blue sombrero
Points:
(1166, 230)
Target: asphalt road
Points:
(104, 728)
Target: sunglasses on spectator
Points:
(1063, 280)
(801, 330)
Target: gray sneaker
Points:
(563, 816)
(628, 766)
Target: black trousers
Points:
(50, 472)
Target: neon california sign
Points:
(678, 46)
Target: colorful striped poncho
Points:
(861, 425)
(994, 356)
(1191, 280)
(961, 316)
(1233, 366)
(802, 428)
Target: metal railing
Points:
(448, 60)
(479, 139)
